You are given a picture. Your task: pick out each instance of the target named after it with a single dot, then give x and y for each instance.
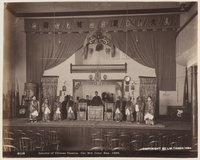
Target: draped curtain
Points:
(45, 51)
(155, 49)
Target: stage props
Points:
(109, 109)
(95, 113)
(81, 112)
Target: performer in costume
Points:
(129, 111)
(118, 110)
(123, 108)
(46, 110)
(96, 101)
(64, 105)
(149, 111)
(57, 108)
(70, 109)
(34, 109)
(88, 101)
(139, 108)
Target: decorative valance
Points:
(104, 68)
(104, 23)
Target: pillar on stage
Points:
(194, 105)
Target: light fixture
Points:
(182, 5)
(64, 88)
(127, 79)
(97, 77)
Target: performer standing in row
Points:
(129, 111)
(34, 109)
(57, 110)
(123, 108)
(70, 109)
(64, 105)
(139, 108)
(96, 101)
(46, 110)
(149, 111)
(118, 110)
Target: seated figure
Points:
(70, 109)
(129, 111)
(109, 109)
(46, 110)
(149, 111)
(118, 110)
(82, 110)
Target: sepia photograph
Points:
(104, 79)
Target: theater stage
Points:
(79, 133)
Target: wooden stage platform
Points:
(79, 133)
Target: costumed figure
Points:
(139, 108)
(123, 108)
(96, 101)
(118, 110)
(46, 110)
(129, 111)
(64, 105)
(70, 109)
(34, 109)
(57, 110)
(149, 111)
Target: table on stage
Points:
(95, 113)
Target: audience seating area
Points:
(30, 141)
(138, 141)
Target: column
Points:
(194, 104)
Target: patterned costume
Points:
(46, 110)
(118, 111)
(139, 108)
(70, 110)
(34, 110)
(149, 112)
(57, 111)
(129, 112)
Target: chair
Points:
(9, 148)
(53, 140)
(187, 138)
(155, 145)
(175, 146)
(136, 145)
(120, 149)
(107, 139)
(9, 135)
(165, 141)
(97, 135)
(81, 111)
(10, 141)
(160, 135)
(125, 138)
(98, 143)
(115, 143)
(98, 149)
(138, 137)
(173, 137)
(26, 144)
(152, 138)
(38, 141)
(181, 140)
(109, 110)
(29, 133)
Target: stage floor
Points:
(165, 125)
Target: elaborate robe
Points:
(57, 111)
(96, 101)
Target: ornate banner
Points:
(105, 23)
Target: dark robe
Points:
(64, 111)
(96, 101)
(88, 103)
(123, 109)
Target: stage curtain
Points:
(45, 52)
(155, 49)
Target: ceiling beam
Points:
(100, 13)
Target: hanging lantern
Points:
(105, 77)
(90, 77)
(64, 88)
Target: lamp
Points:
(127, 79)
(105, 77)
(64, 88)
